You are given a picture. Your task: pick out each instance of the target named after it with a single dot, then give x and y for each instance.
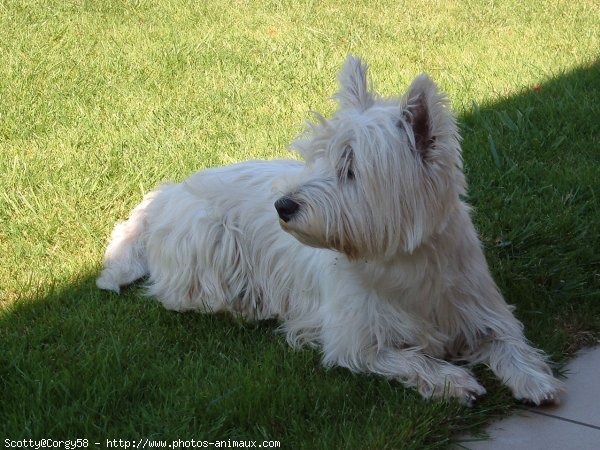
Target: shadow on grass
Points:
(533, 165)
(80, 363)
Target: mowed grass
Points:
(102, 100)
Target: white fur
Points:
(380, 266)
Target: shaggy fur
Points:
(373, 257)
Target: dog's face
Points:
(381, 175)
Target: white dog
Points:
(364, 249)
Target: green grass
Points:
(102, 100)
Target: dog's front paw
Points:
(540, 389)
(467, 395)
(458, 384)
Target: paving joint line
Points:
(565, 419)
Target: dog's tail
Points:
(125, 257)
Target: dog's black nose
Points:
(286, 208)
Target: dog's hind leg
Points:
(125, 259)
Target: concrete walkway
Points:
(574, 424)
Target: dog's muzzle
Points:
(286, 208)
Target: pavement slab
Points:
(574, 424)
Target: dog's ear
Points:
(426, 110)
(354, 90)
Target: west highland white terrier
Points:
(364, 249)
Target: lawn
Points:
(102, 100)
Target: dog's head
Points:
(381, 176)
